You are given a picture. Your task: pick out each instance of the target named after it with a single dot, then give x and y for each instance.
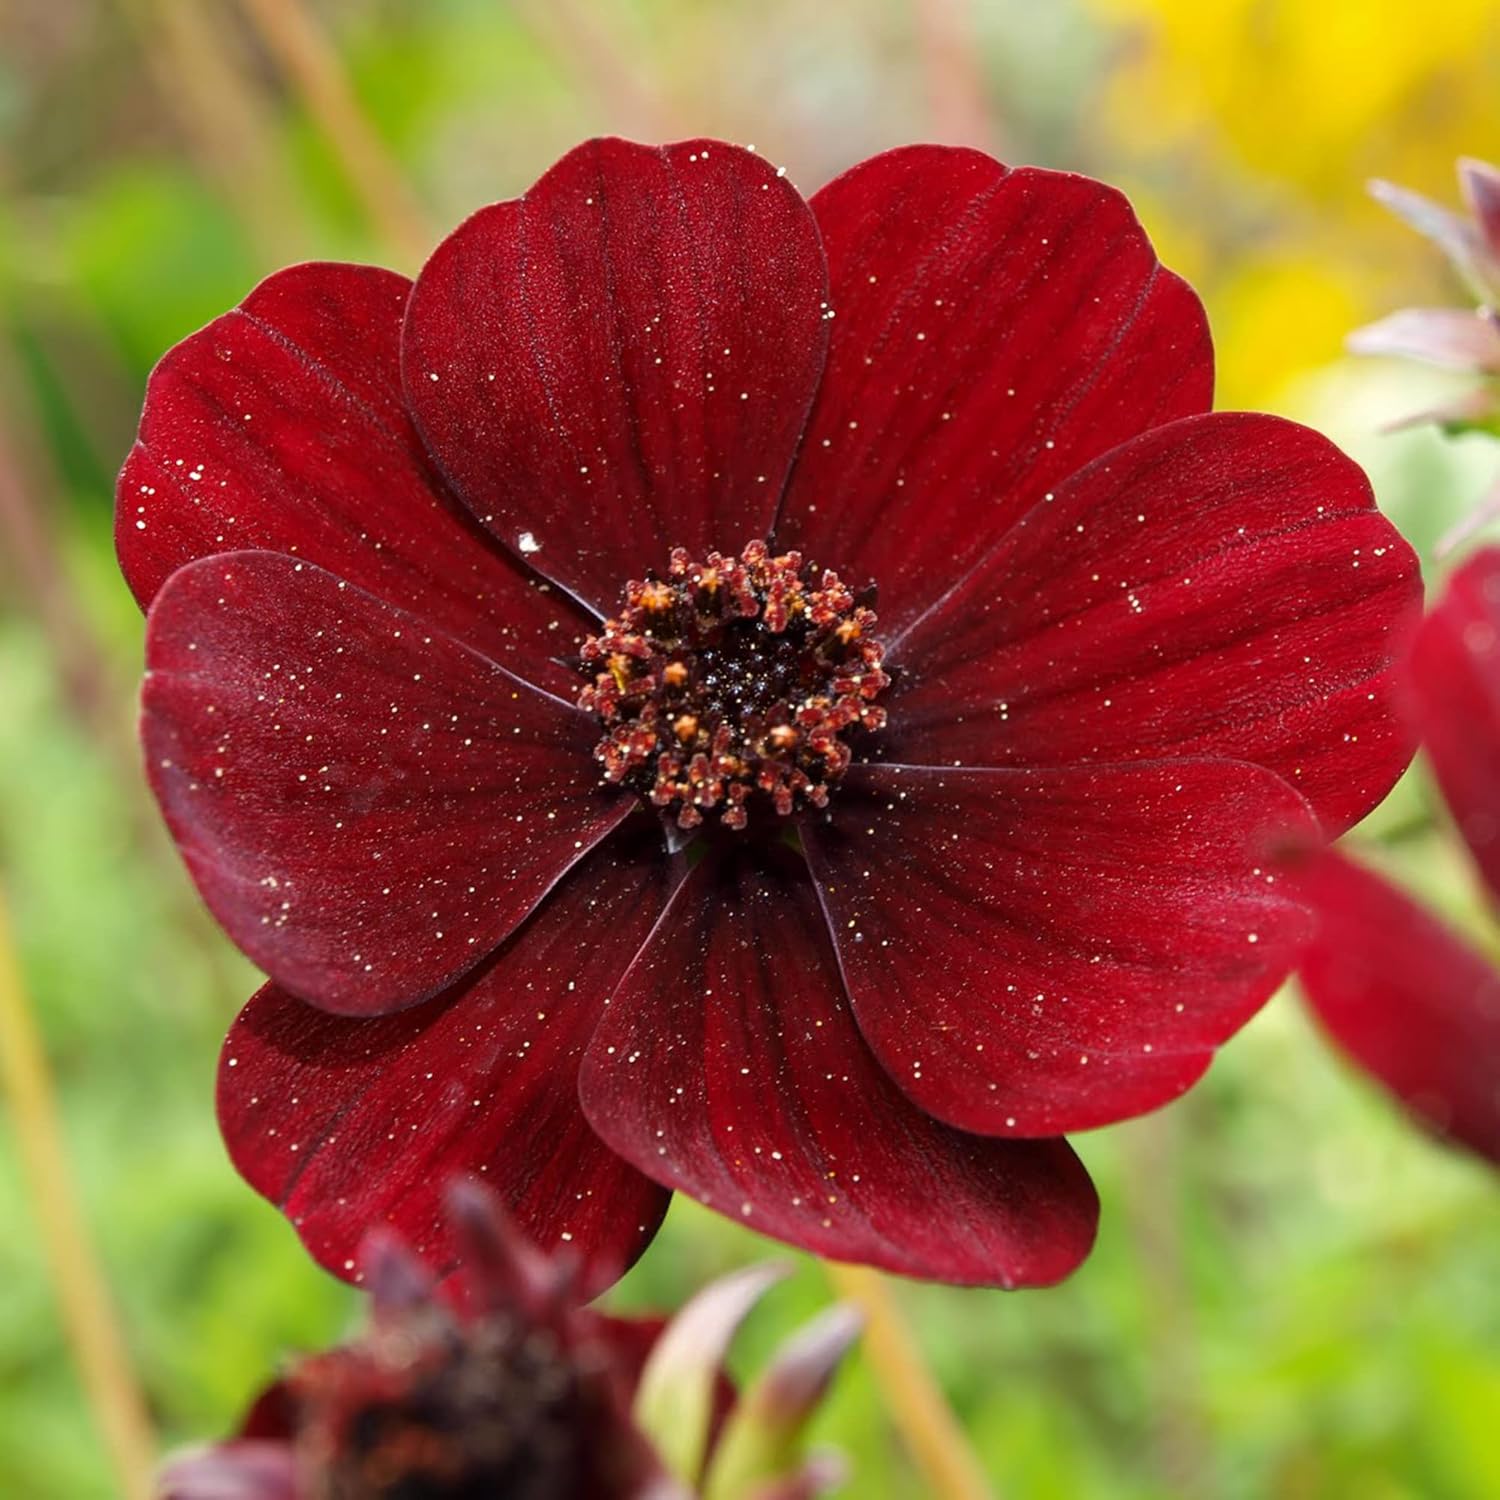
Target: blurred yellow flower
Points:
(1256, 123)
(1273, 314)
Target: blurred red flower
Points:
(1399, 992)
(495, 1383)
(600, 863)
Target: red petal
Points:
(367, 808)
(622, 360)
(350, 1123)
(272, 1415)
(996, 330)
(1034, 952)
(282, 426)
(1407, 1000)
(728, 1065)
(1223, 586)
(1455, 682)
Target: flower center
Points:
(732, 681)
(429, 1409)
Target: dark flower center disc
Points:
(426, 1413)
(733, 682)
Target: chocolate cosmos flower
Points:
(1401, 993)
(521, 700)
(494, 1386)
(502, 1388)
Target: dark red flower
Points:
(500, 1386)
(1397, 989)
(495, 1384)
(520, 701)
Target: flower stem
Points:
(87, 1310)
(917, 1407)
(949, 53)
(303, 52)
(33, 553)
(224, 117)
(1153, 1162)
(586, 43)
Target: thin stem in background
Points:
(224, 118)
(593, 53)
(948, 50)
(88, 1313)
(97, 700)
(33, 552)
(313, 67)
(34, 558)
(1182, 1452)
(915, 1405)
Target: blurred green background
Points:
(1294, 1294)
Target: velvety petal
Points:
(349, 1123)
(1407, 1000)
(366, 807)
(282, 426)
(621, 361)
(728, 1065)
(995, 330)
(1034, 952)
(1222, 586)
(1455, 686)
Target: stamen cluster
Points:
(733, 677)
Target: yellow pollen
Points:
(733, 687)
